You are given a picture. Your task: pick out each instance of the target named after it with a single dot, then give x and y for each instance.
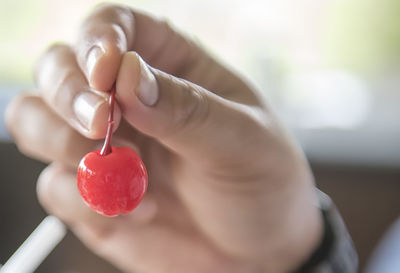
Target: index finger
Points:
(112, 30)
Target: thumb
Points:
(185, 117)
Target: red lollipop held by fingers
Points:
(112, 180)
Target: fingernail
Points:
(91, 59)
(147, 90)
(85, 106)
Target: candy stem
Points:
(107, 142)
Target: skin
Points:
(229, 191)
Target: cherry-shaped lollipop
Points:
(112, 180)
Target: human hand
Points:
(228, 190)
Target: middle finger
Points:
(65, 90)
(40, 133)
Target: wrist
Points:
(335, 253)
(299, 237)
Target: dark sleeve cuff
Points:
(336, 253)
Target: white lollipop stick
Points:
(36, 247)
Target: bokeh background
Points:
(330, 68)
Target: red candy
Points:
(112, 184)
(112, 181)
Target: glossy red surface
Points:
(112, 184)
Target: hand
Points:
(229, 191)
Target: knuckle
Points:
(52, 51)
(11, 114)
(52, 64)
(110, 12)
(32, 146)
(105, 8)
(55, 191)
(14, 111)
(116, 22)
(25, 148)
(98, 30)
(44, 186)
(26, 121)
(56, 47)
(61, 94)
(193, 107)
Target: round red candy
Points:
(112, 184)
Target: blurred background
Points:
(331, 69)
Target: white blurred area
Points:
(334, 83)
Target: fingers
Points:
(42, 134)
(185, 117)
(64, 88)
(112, 30)
(137, 242)
(105, 35)
(58, 194)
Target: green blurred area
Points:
(18, 21)
(27, 27)
(357, 35)
(363, 35)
